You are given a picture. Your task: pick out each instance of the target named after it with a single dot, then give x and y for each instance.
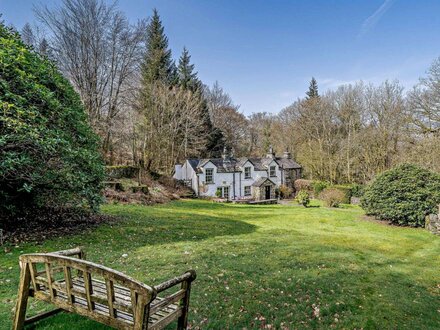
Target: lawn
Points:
(275, 266)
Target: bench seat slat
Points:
(162, 309)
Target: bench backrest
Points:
(92, 290)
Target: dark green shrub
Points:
(403, 195)
(357, 190)
(48, 153)
(332, 197)
(303, 198)
(319, 186)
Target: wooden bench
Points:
(78, 286)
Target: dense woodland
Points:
(151, 109)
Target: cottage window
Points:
(247, 172)
(209, 177)
(247, 190)
(272, 171)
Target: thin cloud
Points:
(372, 20)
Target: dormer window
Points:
(209, 175)
(247, 172)
(272, 171)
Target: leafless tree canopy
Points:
(99, 52)
(347, 135)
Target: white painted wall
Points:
(177, 172)
(199, 185)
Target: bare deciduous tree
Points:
(99, 51)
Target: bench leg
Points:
(23, 294)
(182, 321)
(42, 316)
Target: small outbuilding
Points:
(263, 189)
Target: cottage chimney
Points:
(225, 153)
(270, 154)
(287, 154)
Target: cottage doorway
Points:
(267, 192)
(226, 192)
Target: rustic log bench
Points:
(75, 285)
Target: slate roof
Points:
(230, 165)
(288, 163)
(194, 163)
(261, 181)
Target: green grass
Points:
(260, 265)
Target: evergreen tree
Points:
(158, 64)
(188, 80)
(313, 89)
(187, 77)
(27, 35)
(44, 49)
(49, 155)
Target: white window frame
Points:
(211, 174)
(248, 175)
(249, 193)
(274, 173)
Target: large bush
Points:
(403, 195)
(303, 198)
(48, 153)
(333, 197)
(303, 184)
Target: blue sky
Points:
(264, 52)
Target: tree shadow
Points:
(164, 226)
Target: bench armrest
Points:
(78, 251)
(189, 276)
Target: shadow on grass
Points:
(164, 226)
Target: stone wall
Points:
(432, 223)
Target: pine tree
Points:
(313, 89)
(188, 80)
(158, 64)
(27, 35)
(187, 77)
(44, 49)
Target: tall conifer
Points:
(313, 89)
(187, 77)
(158, 64)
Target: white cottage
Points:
(239, 178)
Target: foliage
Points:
(304, 256)
(346, 190)
(313, 89)
(332, 197)
(357, 190)
(158, 64)
(186, 75)
(303, 198)
(403, 195)
(285, 191)
(302, 184)
(319, 186)
(48, 153)
(218, 192)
